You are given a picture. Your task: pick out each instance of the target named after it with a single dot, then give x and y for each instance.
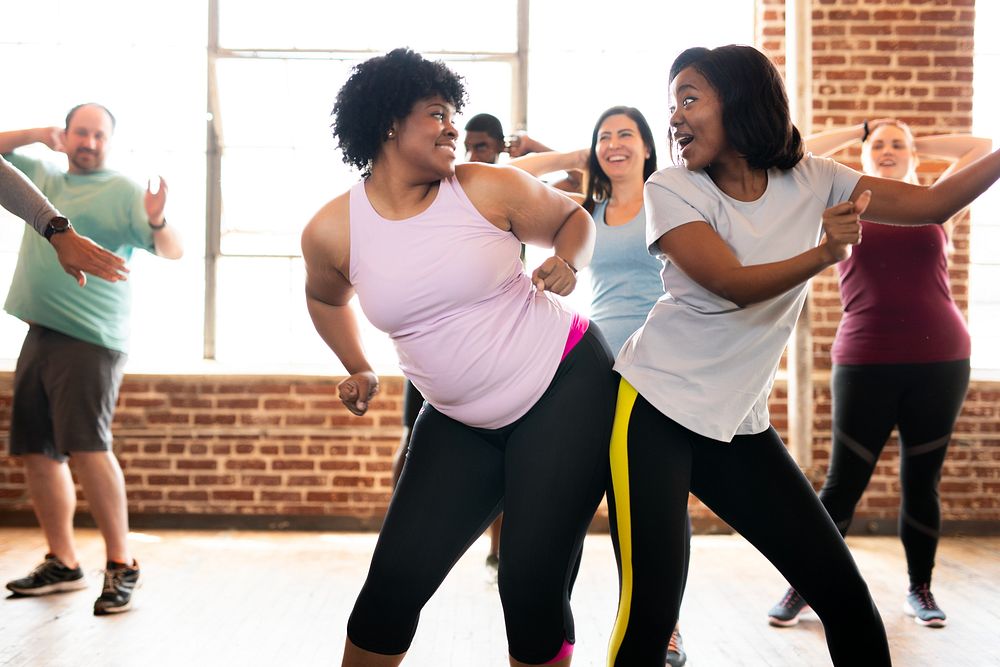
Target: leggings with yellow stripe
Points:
(753, 485)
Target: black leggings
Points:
(547, 471)
(753, 485)
(413, 400)
(868, 401)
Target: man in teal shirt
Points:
(71, 364)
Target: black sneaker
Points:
(493, 561)
(676, 657)
(119, 582)
(921, 606)
(786, 613)
(49, 577)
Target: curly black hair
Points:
(382, 90)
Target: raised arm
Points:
(166, 238)
(828, 142)
(520, 143)
(536, 214)
(960, 149)
(326, 250)
(539, 164)
(698, 250)
(50, 136)
(20, 196)
(896, 202)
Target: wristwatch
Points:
(57, 225)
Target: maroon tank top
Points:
(897, 300)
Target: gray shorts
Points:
(65, 391)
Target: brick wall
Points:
(277, 451)
(911, 59)
(265, 447)
(282, 451)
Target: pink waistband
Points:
(565, 652)
(577, 328)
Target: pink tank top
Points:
(897, 301)
(471, 331)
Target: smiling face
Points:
(696, 121)
(620, 149)
(427, 137)
(87, 139)
(888, 153)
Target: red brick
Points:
(260, 480)
(199, 464)
(168, 480)
(232, 495)
(292, 465)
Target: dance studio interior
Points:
(255, 497)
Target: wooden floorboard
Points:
(282, 598)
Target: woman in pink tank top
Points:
(900, 358)
(519, 390)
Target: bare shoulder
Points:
(493, 189)
(479, 175)
(326, 238)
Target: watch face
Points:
(56, 225)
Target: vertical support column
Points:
(798, 78)
(213, 183)
(519, 98)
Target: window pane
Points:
(154, 82)
(279, 163)
(572, 80)
(474, 25)
(489, 85)
(984, 274)
(103, 23)
(263, 321)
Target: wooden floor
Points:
(274, 598)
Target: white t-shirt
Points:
(700, 359)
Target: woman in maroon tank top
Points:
(900, 357)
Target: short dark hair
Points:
(754, 103)
(73, 111)
(488, 123)
(382, 90)
(598, 183)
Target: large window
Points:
(277, 68)
(146, 62)
(597, 55)
(270, 78)
(263, 98)
(984, 274)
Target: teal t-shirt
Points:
(105, 206)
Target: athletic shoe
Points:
(921, 606)
(52, 576)
(675, 650)
(493, 561)
(786, 613)
(120, 581)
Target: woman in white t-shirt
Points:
(740, 227)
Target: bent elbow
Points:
(735, 293)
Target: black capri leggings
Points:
(547, 471)
(753, 485)
(413, 400)
(924, 401)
